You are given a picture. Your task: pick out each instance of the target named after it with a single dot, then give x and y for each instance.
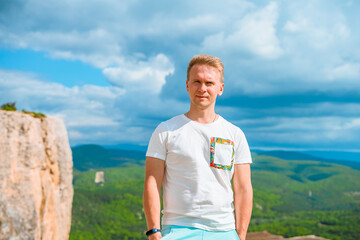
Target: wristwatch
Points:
(152, 231)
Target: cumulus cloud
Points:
(307, 39)
(322, 132)
(345, 71)
(92, 114)
(279, 57)
(141, 76)
(318, 36)
(254, 33)
(88, 107)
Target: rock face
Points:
(100, 178)
(35, 178)
(263, 236)
(268, 236)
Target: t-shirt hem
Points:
(243, 161)
(155, 155)
(200, 226)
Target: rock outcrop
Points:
(35, 178)
(100, 178)
(268, 236)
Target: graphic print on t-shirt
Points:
(222, 153)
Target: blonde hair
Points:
(204, 59)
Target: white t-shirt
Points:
(200, 160)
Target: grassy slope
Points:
(281, 201)
(112, 211)
(331, 185)
(282, 204)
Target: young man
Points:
(194, 157)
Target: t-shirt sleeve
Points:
(158, 142)
(242, 151)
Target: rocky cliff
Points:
(268, 236)
(35, 178)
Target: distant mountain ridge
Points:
(92, 156)
(290, 155)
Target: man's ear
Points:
(187, 85)
(221, 89)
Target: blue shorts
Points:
(172, 232)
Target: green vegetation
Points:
(112, 211)
(87, 157)
(291, 198)
(12, 107)
(9, 106)
(330, 224)
(34, 114)
(299, 197)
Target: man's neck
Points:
(202, 115)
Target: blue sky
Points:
(113, 70)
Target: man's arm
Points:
(243, 197)
(154, 173)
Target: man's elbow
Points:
(244, 190)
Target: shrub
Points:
(9, 106)
(34, 114)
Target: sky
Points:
(113, 70)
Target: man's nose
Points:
(202, 87)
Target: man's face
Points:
(204, 85)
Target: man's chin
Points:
(203, 105)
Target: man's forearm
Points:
(154, 173)
(243, 202)
(243, 197)
(152, 205)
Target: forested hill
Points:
(290, 155)
(291, 198)
(92, 156)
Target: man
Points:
(194, 157)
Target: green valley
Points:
(291, 198)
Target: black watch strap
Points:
(152, 231)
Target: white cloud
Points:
(302, 40)
(276, 48)
(31, 93)
(317, 25)
(342, 30)
(100, 49)
(313, 132)
(92, 114)
(201, 21)
(254, 33)
(73, 134)
(141, 76)
(318, 36)
(353, 124)
(300, 25)
(85, 106)
(345, 71)
(320, 125)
